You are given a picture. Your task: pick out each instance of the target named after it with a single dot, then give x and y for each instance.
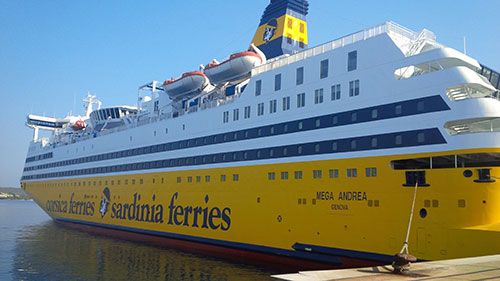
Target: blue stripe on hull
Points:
(319, 253)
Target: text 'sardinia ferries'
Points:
(287, 153)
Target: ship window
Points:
(323, 70)
(354, 116)
(272, 106)
(301, 100)
(300, 125)
(374, 142)
(318, 123)
(207, 178)
(285, 151)
(398, 109)
(335, 120)
(333, 173)
(416, 163)
(298, 175)
(236, 177)
(198, 178)
(299, 149)
(301, 44)
(277, 82)
(335, 92)
(420, 106)
(421, 137)
(353, 144)
(352, 61)
(271, 176)
(225, 117)
(236, 114)
(222, 178)
(299, 80)
(352, 172)
(317, 148)
(354, 88)
(334, 146)
(301, 28)
(371, 172)
(447, 161)
(285, 128)
(284, 175)
(260, 109)
(286, 103)
(247, 112)
(190, 179)
(318, 96)
(258, 87)
(398, 139)
(317, 174)
(374, 113)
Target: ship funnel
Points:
(282, 28)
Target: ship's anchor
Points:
(403, 259)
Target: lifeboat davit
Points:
(238, 66)
(188, 85)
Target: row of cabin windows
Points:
(398, 110)
(318, 174)
(335, 93)
(206, 178)
(39, 157)
(352, 63)
(95, 183)
(352, 117)
(355, 144)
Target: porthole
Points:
(423, 213)
(468, 173)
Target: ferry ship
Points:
(285, 152)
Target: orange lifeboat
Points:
(238, 66)
(186, 86)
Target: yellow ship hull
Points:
(291, 209)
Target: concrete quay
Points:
(476, 268)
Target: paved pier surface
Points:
(478, 268)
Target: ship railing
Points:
(388, 27)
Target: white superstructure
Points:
(385, 90)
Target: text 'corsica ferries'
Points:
(290, 153)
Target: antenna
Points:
(465, 46)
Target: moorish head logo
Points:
(105, 199)
(270, 30)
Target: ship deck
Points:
(476, 268)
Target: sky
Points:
(53, 52)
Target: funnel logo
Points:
(103, 209)
(270, 30)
